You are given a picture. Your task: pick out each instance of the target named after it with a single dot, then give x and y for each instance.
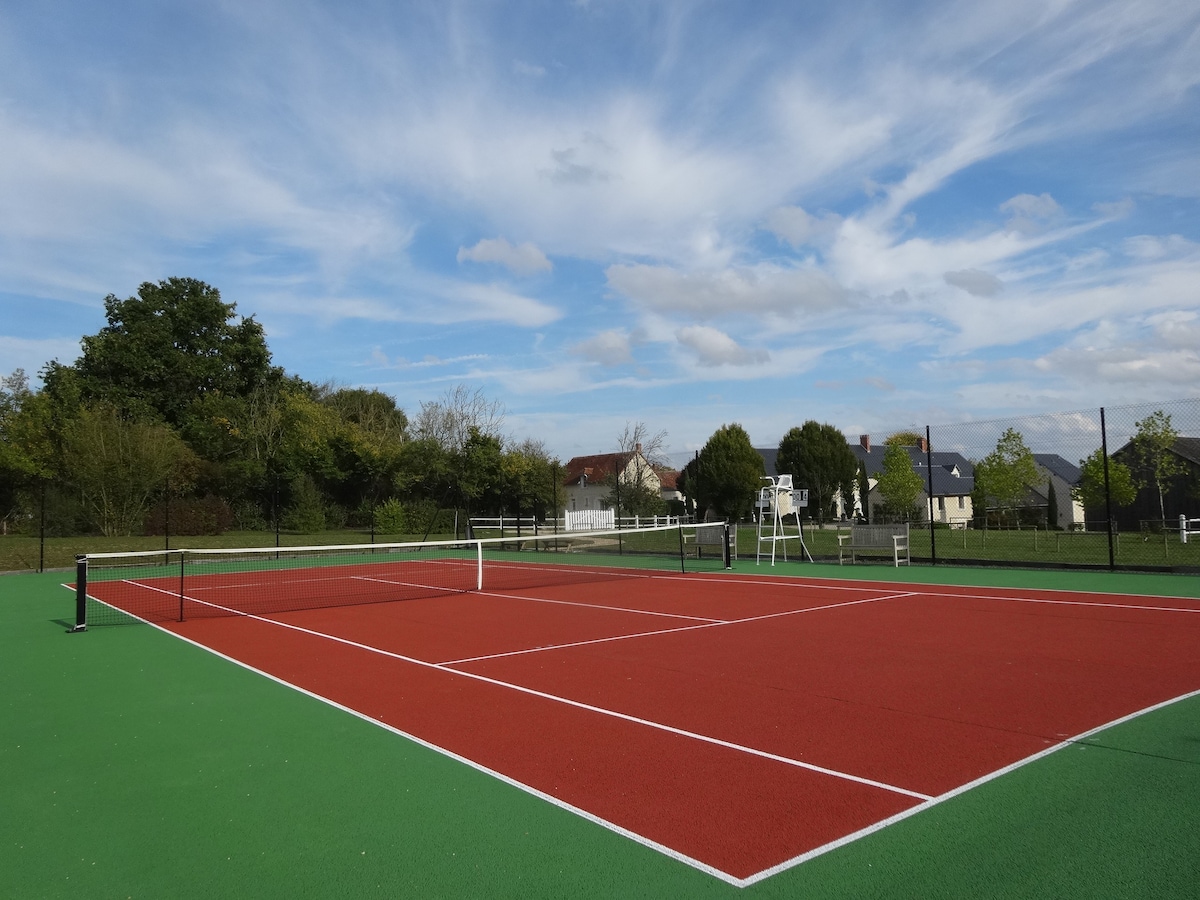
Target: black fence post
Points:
(1112, 558)
(929, 480)
(167, 515)
(42, 528)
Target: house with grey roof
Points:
(953, 481)
(1056, 472)
(952, 478)
(1182, 490)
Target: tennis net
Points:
(178, 585)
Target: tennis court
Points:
(740, 723)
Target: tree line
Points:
(174, 417)
(175, 409)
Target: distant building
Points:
(588, 480)
(1182, 494)
(953, 480)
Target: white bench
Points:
(875, 537)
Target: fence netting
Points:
(1039, 490)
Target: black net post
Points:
(182, 567)
(682, 552)
(728, 546)
(80, 593)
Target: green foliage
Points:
(1090, 490)
(1051, 506)
(904, 439)
(189, 516)
(634, 498)
(390, 517)
(819, 459)
(306, 512)
(479, 467)
(899, 484)
(120, 466)
(1153, 447)
(527, 480)
(1006, 475)
(727, 474)
(171, 344)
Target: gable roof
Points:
(1186, 448)
(947, 460)
(769, 455)
(1056, 465)
(668, 478)
(583, 469)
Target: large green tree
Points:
(1005, 476)
(819, 460)
(1090, 490)
(899, 484)
(1154, 455)
(173, 343)
(727, 473)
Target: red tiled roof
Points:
(596, 468)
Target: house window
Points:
(941, 504)
(962, 502)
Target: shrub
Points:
(190, 516)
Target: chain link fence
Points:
(1117, 487)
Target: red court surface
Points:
(739, 724)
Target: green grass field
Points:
(133, 764)
(21, 553)
(1014, 547)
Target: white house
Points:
(588, 479)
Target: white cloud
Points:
(1029, 214)
(609, 348)
(523, 260)
(715, 348)
(31, 354)
(1118, 209)
(765, 289)
(1152, 247)
(798, 227)
(975, 282)
(529, 69)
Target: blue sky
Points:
(679, 213)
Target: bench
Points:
(874, 537)
(714, 538)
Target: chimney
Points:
(865, 440)
(924, 445)
(637, 448)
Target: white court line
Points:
(954, 792)
(709, 624)
(669, 852)
(612, 713)
(956, 590)
(644, 841)
(641, 612)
